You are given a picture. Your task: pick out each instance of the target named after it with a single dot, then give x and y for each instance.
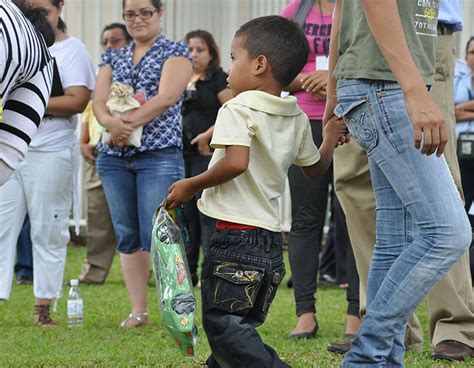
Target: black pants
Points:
(467, 178)
(309, 201)
(240, 276)
(344, 244)
(201, 226)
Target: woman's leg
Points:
(48, 183)
(421, 227)
(156, 171)
(309, 201)
(12, 215)
(119, 181)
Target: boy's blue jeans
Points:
(422, 228)
(241, 273)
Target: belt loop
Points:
(268, 241)
(225, 235)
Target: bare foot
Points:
(306, 323)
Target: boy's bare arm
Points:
(426, 117)
(234, 163)
(334, 134)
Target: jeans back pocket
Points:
(354, 111)
(236, 286)
(277, 277)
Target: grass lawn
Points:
(101, 343)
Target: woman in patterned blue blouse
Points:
(136, 179)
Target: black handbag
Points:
(466, 146)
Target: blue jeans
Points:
(240, 276)
(24, 252)
(134, 188)
(422, 229)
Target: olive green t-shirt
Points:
(361, 58)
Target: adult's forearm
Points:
(156, 106)
(382, 16)
(334, 49)
(462, 116)
(466, 106)
(66, 105)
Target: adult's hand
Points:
(428, 122)
(119, 130)
(315, 81)
(88, 153)
(202, 142)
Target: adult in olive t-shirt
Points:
(360, 56)
(384, 51)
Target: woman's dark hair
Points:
(303, 11)
(211, 45)
(468, 43)
(37, 17)
(121, 26)
(61, 25)
(157, 4)
(281, 41)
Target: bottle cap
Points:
(74, 282)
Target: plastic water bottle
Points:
(75, 305)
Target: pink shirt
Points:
(318, 31)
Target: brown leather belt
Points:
(445, 28)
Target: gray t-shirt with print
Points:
(359, 54)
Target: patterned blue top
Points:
(165, 130)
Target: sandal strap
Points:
(42, 315)
(136, 316)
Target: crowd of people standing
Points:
(402, 171)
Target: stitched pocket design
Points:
(236, 286)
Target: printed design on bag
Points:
(236, 286)
(180, 270)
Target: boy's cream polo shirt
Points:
(278, 134)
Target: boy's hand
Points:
(180, 192)
(335, 130)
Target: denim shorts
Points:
(134, 188)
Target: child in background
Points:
(257, 136)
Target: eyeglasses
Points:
(144, 14)
(112, 41)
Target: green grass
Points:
(101, 343)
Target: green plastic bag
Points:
(173, 280)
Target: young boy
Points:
(257, 136)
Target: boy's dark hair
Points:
(120, 26)
(281, 41)
(211, 45)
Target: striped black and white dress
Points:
(26, 70)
